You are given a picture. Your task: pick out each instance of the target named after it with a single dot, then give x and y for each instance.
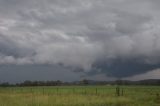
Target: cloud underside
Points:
(118, 38)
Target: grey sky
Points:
(85, 35)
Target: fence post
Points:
(43, 91)
(157, 96)
(117, 91)
(85, 92)
(122, 91)
(57, 91)
(96, 91)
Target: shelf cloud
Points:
(119, 38)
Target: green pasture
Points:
(80, 96)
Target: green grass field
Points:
(80, 96)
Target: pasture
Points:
(80, 96)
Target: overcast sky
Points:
(75, 39)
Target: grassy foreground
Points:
(80, 96)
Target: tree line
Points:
(82, 82)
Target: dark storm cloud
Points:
(82, 34)
(121, 68)
(14, 73)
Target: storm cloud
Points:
(118, 38)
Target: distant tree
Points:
(5, 84)
(27, 83)
(85, 82)
(58, 82)
(119, 82)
